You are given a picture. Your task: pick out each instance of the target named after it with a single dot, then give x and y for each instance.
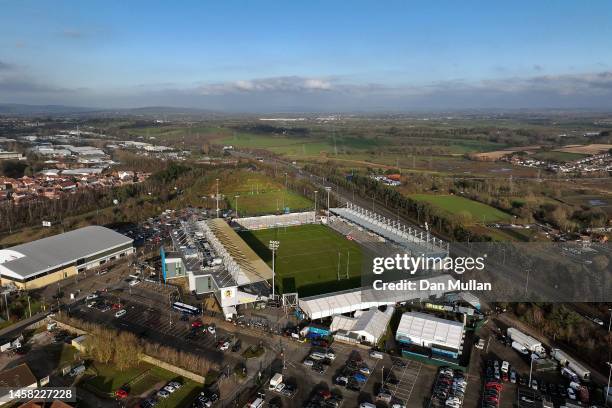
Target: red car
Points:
(197, 323)
(121, 393)
(117, 306)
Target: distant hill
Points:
(36, 110)
(21, 109)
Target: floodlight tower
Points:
(273, 247)
(315, 216)
(217, 197)
(328, 189)
(236, 197)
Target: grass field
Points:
(558, 157)
(307, 258)
(261, 195)
(470, 210)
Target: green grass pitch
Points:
(455, 205)
(307, 258)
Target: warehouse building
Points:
(443, 337)
(48, 260)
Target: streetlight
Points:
(236, 197)
(217, 197)
(531, 368)
(328, 189)
(273, 247)
(609, 363)
(316, 191)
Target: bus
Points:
(186, 309)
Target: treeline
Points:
(572, 331)
(274, 130)
(417, 211)
(124, 349)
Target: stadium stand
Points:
(275, 221)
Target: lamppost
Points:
(609, 362)
(328, 189)
(316, 191)
(608, 388)
(273, 247)
(236, 197)
(530, 369)
(217, 197)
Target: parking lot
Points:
(546, 386)
(161, 325)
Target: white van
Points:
(317, 356)
(77, 370)
(120, 313)
(258, 403)
(366, 405)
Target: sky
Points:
(307, 55)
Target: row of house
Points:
(54, 183)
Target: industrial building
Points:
(48, 260)
(443, 337)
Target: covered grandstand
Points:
(275, 221)
(214, 259)
(412, 239)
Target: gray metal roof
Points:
(62, 249)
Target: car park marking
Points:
(406, 381)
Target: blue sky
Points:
(312, 55)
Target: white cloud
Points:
(273, 84)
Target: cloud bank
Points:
(331, 93)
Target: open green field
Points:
(258, 195)
(308, 257)
(300, 146)
(558, 157)
(470, 210)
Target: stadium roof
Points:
(252, 267)
(422, 328)
(36, 257)
(410, 242)
(346, 301)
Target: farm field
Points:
(595, 148)
(558, 157)
(299, 146)
(309, 258)
(471, 210)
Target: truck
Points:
(527, 341)
(568, 362)
(275, 381)
(520, 348)
(11, 344)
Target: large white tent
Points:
(331, 304)
(370, 326)
(430, 331)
